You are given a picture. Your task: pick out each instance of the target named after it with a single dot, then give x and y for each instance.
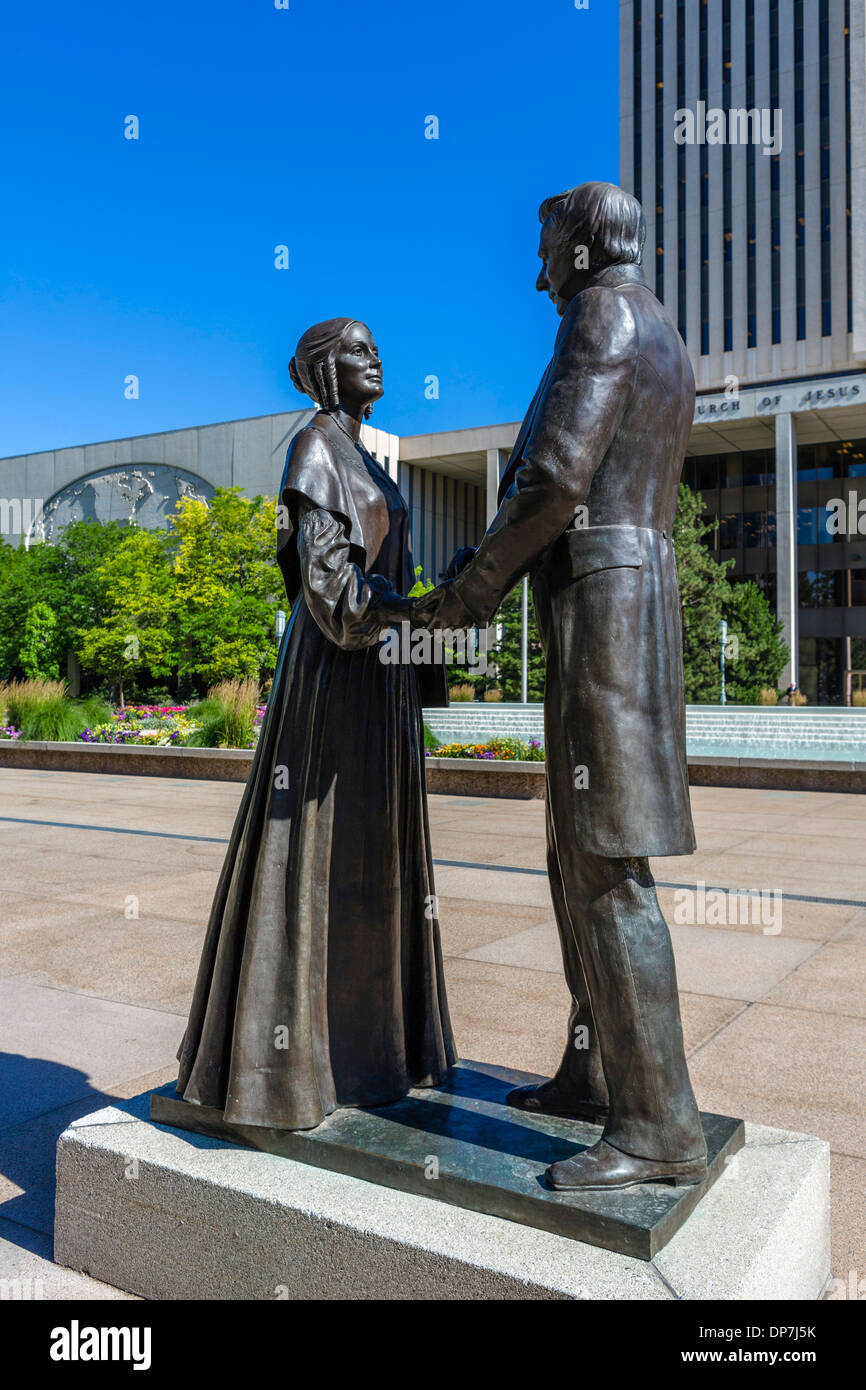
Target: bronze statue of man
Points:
(587, 508)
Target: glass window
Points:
(846, 459)
(855, 459)
(759, 468)
(807, 525)
(707, 472)
(807, 494)
(704, 86)
(858, 588)
(729, 531)
(731, 470)
(754, 529)
(822, 670)
(819, 588)
(775, 183)
(829, 462)
(813, 463)
(767, 584)
(755, 474)
(830, 667)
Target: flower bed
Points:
(8, 731)
(499, 749)
(155, 726)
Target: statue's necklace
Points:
(357, 442)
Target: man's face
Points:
(560, 276)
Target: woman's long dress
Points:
(321, 983)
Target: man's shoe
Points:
(606, 1169)
(543, 1098)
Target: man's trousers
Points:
(625, 1041)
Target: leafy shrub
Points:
(23, 698)
(36, 652)
(227, 717)
(421, 585)
(42, 710)
(157, 695)
(768, 696)
(461, 693)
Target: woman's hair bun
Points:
(313, 369)
(296, 378)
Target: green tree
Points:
(16, 596)
(36, 654)
(72, 577)
(756, 652)
(135, 634)
(64, 575)
(760, 651)
(506, 650)
(705, 591)
(226, 586)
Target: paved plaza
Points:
(106, 887)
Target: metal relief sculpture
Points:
(146, 494)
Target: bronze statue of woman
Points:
(321, 982)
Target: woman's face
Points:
(359, 370)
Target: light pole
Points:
(524, 642)
(723, 635)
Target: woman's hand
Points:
(388, 607)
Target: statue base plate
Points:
(460, 1143)
(167, 1213)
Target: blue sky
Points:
(302, 127)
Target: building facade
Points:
(804, 443)
(142, 478)
(743, 134)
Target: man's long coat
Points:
(606, 431)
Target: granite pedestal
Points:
(169, 1213)
(460, 1143)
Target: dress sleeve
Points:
(344, 601)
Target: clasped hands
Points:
(439, 608)
(443, 607)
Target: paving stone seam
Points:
(439, 863)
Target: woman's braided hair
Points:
(313, 369)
